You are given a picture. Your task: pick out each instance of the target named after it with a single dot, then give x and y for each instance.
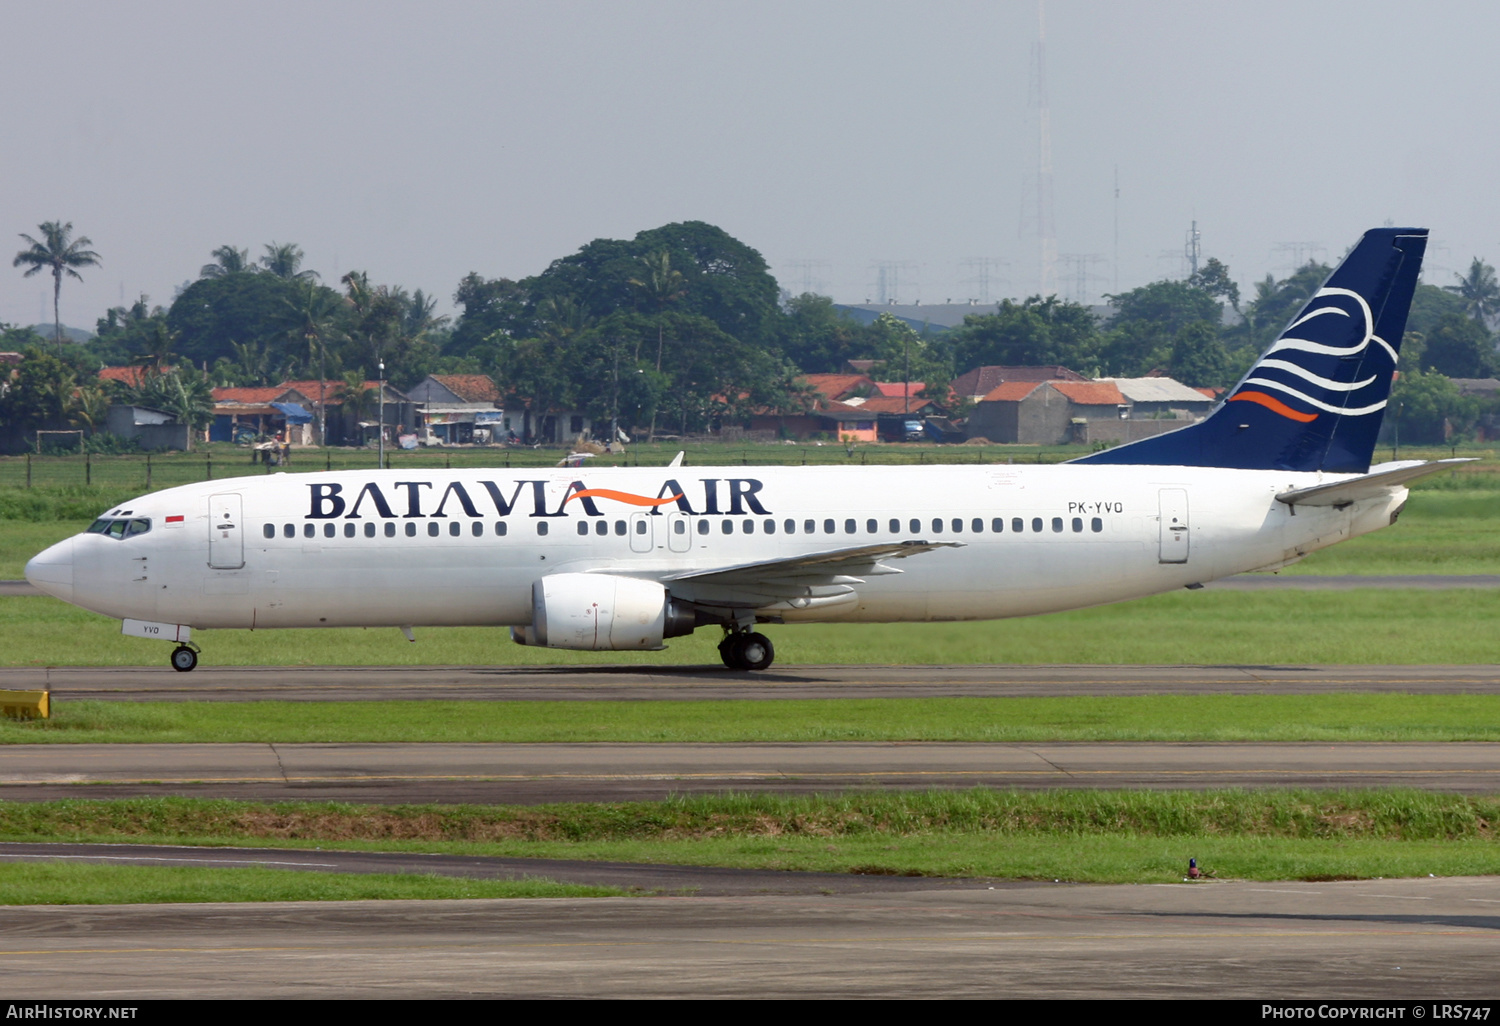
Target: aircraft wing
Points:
(796, 582)
(1366, 486)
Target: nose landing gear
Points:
(746, 650)
(184, 658)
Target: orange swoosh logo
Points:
(1274, 405)
(626, 497)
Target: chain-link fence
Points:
(147, 472)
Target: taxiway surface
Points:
(1378, 939)
(701, 683)
(537, 773)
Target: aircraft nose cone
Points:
(52, 570)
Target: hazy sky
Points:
(422, 141)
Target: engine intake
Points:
(602, 612)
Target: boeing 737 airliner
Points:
(626, 558)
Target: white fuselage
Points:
(418, 547)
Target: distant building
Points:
(1162, 397)
(153, 429)
(1045, 412)
(975, 384)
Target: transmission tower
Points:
(1040, 191)
(1299, 254)
(809, 275)
(980, 273)
(887, 279)
(1080, 274)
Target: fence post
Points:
(148, 471)
(327, 458)
(88, 468)
(209, 466)
(28, 470)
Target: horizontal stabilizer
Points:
(1366, 486)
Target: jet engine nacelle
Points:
(600, 612)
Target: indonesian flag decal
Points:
(176, 520)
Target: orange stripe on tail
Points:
(625, 497)
(1274, 405)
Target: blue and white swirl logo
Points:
(1328, 361)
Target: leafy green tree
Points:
(902, 354)
(1213, 278)
(15, 339)
(1200, 359)
(57, 251)
(1035, 332)
(1459, 348)
(213, 314)
(488, 307)
(816, 336)
(1479, 291)
(41, 394)
(1156, 321)
(1429, 305)
(1428, 409)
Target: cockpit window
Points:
(120, 527)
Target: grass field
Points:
(1065, 835)
(1359, 626)
(63, 883)
(1166, 717)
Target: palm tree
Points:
(661, 285)
(419, 318)
(1479, 290)
(227, 260)
(312, 319)
(285, 260)
(156, 356)
(357, 397)
(60, 253)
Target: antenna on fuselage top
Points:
(677, 460)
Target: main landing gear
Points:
(746, 650)
(184, 659)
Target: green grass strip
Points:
(1360, 627)
(1123, 836)
(1330, 717)
(68, 883)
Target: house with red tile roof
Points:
(975, 384)
(130, 376)
(840, 386)
(1045, 412)
(272, 410)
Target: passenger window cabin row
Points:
(601, 528)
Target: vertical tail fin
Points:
(1315, 399)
